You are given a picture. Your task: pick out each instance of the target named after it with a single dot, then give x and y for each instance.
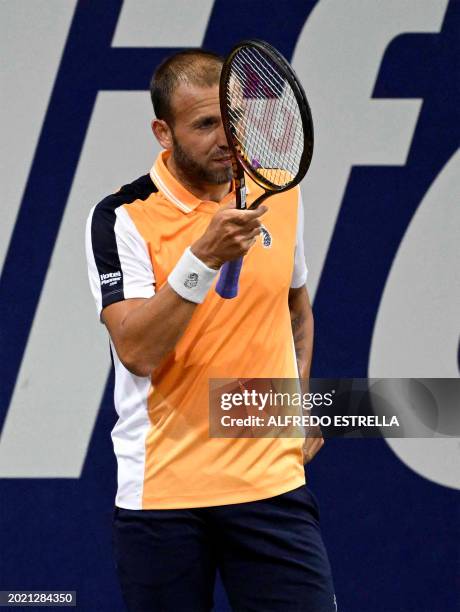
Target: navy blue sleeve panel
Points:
(107, 251)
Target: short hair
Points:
(194, 66)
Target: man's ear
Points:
(162, 133)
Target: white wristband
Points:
(191, 278)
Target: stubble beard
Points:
(194, 171)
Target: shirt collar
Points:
(174, 191)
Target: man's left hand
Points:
(311, 446)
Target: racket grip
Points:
(227, 285)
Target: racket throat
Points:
(241, 193)
(260, 199)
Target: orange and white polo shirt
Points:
(165, 456)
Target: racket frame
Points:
(227, 284)
(305, 114)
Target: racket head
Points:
(266, 116)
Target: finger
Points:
(257, 212)
(311, 453)
(253, 224)
(311, 447)
(248, 233)
(250, 243)
(238, 217)
(313, 443)
(243, 217)
(254, 233)
(249, 230)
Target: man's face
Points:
(200, 148)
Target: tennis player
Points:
(188, 504)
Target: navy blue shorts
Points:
(270, 555)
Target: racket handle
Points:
(227, 285)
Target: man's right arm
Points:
(144, 331)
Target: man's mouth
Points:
(227, 159)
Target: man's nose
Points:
(221, 137)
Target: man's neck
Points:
(202, 191)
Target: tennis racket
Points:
(269, 129)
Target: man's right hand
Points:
(230, 234)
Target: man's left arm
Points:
(302, 332)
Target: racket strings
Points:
(268, 118)
(265, 117)
(299, 143)
(253, 111)
(264, 65)
(255, 93)
(240, 129)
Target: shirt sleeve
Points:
(119, 266)
(300, 272)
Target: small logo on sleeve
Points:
(191, 280)
(110, 278)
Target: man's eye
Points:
(206, 124)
